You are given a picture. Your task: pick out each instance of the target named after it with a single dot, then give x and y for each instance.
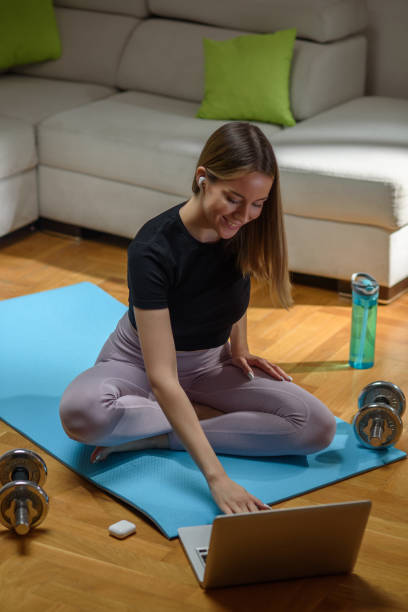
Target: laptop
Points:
(276, 544)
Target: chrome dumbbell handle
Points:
(21, 521)
(23, 503)
(23, 506)
(377, 431)
(377, 425)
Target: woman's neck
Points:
(194, 220)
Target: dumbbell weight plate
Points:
(22, 461)
(363, 422)
(382, 392)
(29, 493)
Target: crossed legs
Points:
(111, 405)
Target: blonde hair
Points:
(232, 151)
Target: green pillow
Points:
(28, 32)
(248, 78)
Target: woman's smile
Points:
(230, 224)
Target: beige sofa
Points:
(106, 136)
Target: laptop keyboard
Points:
(202, 553)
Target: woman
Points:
(177, 372)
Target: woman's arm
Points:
(242, 358)
(157, 342)
(238, 337)
(159, 355)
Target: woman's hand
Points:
(231, 498)
(246, 360)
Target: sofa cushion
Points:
(322, 76)
(254, 89)
(100, 204)
(137, 8)
(33, 99)
(320, 20)
(17, 147)
(19, 201)
(133, 137)
(348, 164)
(28, 32)
(92, 45)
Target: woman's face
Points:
(230, 204)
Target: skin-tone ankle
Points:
(159, 442)
(101, 452)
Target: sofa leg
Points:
(60, 228)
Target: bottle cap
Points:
(364, 283)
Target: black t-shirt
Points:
(198, 282)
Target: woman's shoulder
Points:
(157, 235)
(157, 227)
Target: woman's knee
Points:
(321, 429)
(84, 415)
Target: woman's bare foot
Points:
(100, 453)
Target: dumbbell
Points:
(378, 423)
(23, 503)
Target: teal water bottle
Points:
(365, 291)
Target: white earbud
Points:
(201, 180)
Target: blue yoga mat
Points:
(48, 338)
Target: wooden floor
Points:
(70, 562)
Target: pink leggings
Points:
(113, 403)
